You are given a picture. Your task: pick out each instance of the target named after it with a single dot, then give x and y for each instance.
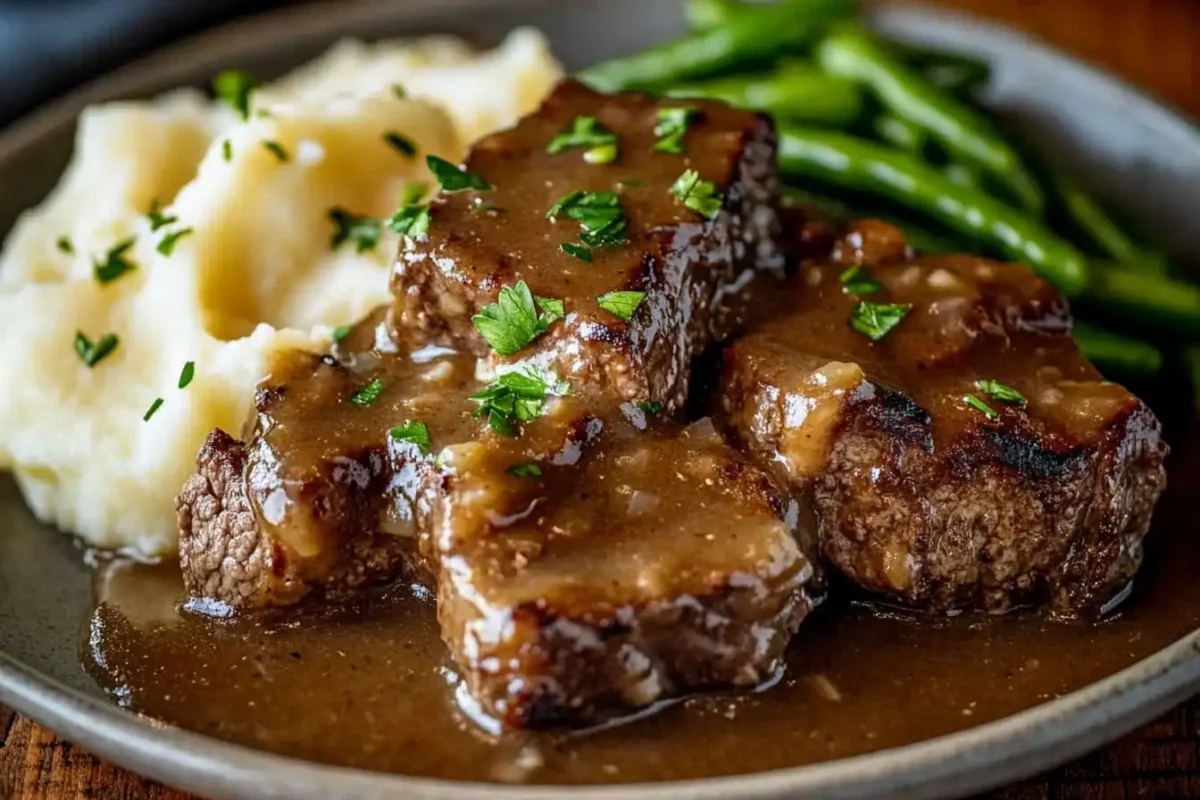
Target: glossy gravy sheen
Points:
(369, 686)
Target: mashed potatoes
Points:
(247, 265)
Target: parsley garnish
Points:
(227, 150)
(580, 251)
(856, 280)
(516, 319)
(530, 469)
(368, 394)
(413, 432)
(157, 218)
(64, 245)
(341, 332)
(400, 92)
(351, 227)
(92, 353)
(587, 132)
(672, 124)
(650, 406)
(974, 402)
(621, 304)
(235, 87)
(513, 398)
(876, 320)
(186, 375)
(401, 143)
(998, 391)
(411, 221)
(115, 264)
(277, 150)
(700, 196)
(413, 192)
(455, 179)
(600, 216)
(166, 246)
(155, 406)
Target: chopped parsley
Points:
(998, 391)
(411, 221)
(413, 192)
(115, 263)
(368, 394)
(166, 245)
(413, 432)
(650, 406)
(92, 353)
(157, 218)
(876, 320)
(598, 213)
(621, 304)
(530, 469)
(277, 150)
(350, 227)
(974, 402)
(187, 374)
(672, 124)
(700, 196)
(235, 86)
(400, 92)
(341, 332)
(154, 407)
(857, 280)
(227, 150)
(582, 252)
(516, 319)
(455, 179)
(587, 132)
(514, 398)
(401, 143)
(64, 245)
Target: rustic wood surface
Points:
(1153, 43)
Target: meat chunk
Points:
(660, 566)
(692, 269)
(937, 500)
(227, 555)
(320, 500)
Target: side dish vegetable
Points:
(890, 130)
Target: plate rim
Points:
(976, 759)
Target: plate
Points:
(1133, 150)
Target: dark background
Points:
(47, 46)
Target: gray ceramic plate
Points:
(1132, 149)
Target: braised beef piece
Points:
(693, 270)
(661, 565)
(935, 500)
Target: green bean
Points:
(796, 92)
(1156, 302)
(920, 238)
(899, 133)
(853, 54)
(1099, 231)
(861, 165)
(1116, 354)
(704, 15)
(950, 72)
(745, 40)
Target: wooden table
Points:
(1154, 43)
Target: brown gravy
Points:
(370, 686)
